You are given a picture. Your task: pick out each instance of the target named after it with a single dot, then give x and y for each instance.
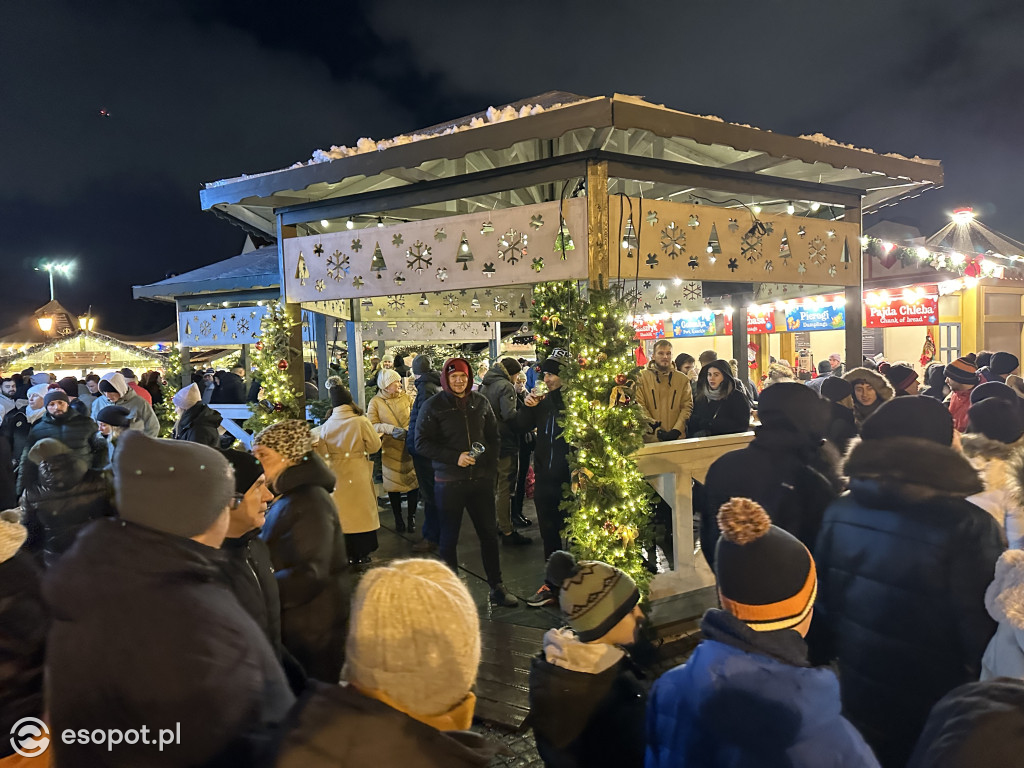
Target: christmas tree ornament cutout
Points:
(714, 246)
(378, 264)
(301, 271)
(464, 254)
(784, 250)
(844, 258)
(563, 240)
(629, 240)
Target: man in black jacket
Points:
(428, 384)
(497, 387)
(550, 462)
(451, 429)
(903, 564)
(79, 433)
(146, 633)
(197, 422)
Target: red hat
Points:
(454, 365)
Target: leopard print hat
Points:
(290, 438)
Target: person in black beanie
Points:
(904, 560)
(428, 383)
(550, 462)
(902, 377)
(79, 433)
(994, 444)
(787, 468)
(837, 392)
(935, 382)
(1004, 364)
(144, 628)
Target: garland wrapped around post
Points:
(164, 409)
(270, 360)
(609, 500)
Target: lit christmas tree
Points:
(608, 505)
(270, 359)
(164, 409)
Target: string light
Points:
(268, 354)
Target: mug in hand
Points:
(476, 449)
(540, 389)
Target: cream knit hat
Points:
(414, 635)
(386, 378)
(12, 534)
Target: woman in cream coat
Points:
(347, 440)
(389, 413)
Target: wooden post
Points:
(186, 367)
(597, 223)
(855, 301)
(245, 361)
(739, 336)
(354, 342)
(293, 316)
(322, 367)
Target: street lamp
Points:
(87, 323)
(45, 324)
(63, 268)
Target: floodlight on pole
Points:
(963, 216)
(62, 268)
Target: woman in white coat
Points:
(347, 440)
(389, 412)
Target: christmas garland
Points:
(608, 499)
(164, 409)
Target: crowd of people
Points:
(867, 547)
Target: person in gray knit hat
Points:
(307, 549)
(146, 632)
(587, 701)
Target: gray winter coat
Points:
(139, 411)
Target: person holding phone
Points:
(457, 430)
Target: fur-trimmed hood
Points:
(922, 468)
(1004, 598)
(877, 382)
(976, 445)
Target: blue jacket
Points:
(733, 707)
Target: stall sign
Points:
(649, 329)
(816, 317)
(761, 321)
(882, 310)
(694, 324)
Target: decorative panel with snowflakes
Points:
(508, 246)
(230, 327)
(693, 243)
(413, 331)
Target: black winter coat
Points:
(336, 725)
(427, 385)
(231, 389)
(842, 427)
(199, 425)
(23, 627)
(307, 551)
(500, 392)
(146, 632)
(727, 416)
(8, 477)
(581, 719)
(79, 433)
(446, 428)
(903, 563)
(551, 452)
(792, 476)
(67, 497)
(14, 430)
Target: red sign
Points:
(901, 307)
(757, 322)
(649, 329)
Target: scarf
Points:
(33, 414)
(714, 394)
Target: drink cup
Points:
(476, 449)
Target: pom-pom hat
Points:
(963, 370)
(766, 577)
(594, 596)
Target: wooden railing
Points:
(671, 467)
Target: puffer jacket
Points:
(497, 387)
(999, 465)
(446, 428)
(878, 383)
(67, 497)
(747, 698)
(23, 626)
(427, 385)
(336, 725)
(903, 564)
(79, 433)
(307, 551)
(551, 452)
(231, 389)
(1004, 601)
(199, 424)
(587, 704)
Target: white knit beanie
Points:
(386, 378)
(38, 389)
(186, 397)
(414, 635)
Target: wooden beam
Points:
(855, 301)
(597, 223)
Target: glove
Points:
(399, 433)
(672, 434)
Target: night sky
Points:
(200, 90)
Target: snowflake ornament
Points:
(451, 301)
(399, 279)
(440, 234)
(489, 268)
(768, 266)
(319, 285)
(537, 221)
(357, 245)
(694, 221)
(693, 291)
(318, 249)
(652, 217)
(801, 268)
(396, 302)
(512, 246)
(538, 264)
(750, 249)
(486, 228)
(733, 225)
(337, 265)
(243, 326)
(418, 256)
(397, 240)
(817, 251)
(652, 260)
(733, 265)
(441, 274)
(673, 240)
(357, 281)
(205, 328)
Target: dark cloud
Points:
(200, 90)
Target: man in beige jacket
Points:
(665, 396)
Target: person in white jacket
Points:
(1004, 601)
(994, 444)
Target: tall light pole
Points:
(62, 268)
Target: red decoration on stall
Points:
(282, 364)
(928, 352)
(259, 346)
